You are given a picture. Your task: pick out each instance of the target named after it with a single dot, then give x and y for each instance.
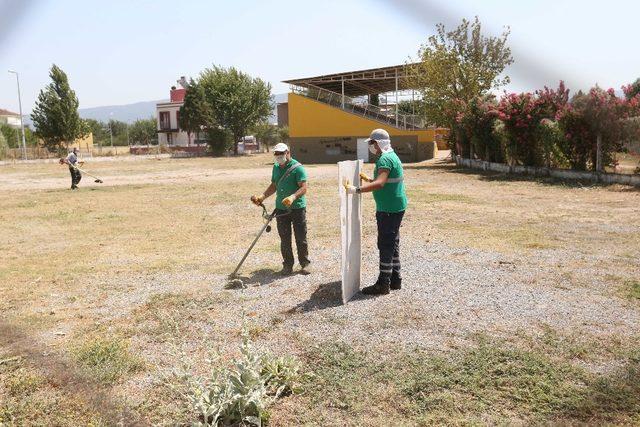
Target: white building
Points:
(9, 118)
(168, 115)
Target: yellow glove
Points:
(350, 189)
(289, 200)
(257, 200)
(365, 177)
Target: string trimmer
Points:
(267, 218)
(98, 180)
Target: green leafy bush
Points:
(239, 394)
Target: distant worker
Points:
(388, 190)
(72, 161)
(289, 182)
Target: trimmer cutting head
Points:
(235, 284)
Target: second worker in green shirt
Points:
(388, 190)
(289, 183)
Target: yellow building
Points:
(83, 144)
(331, 116)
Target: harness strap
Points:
(395, 180)
(287, 173)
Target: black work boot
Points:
(305, 266)
(286, 271)
(381, 287)
(396, 282)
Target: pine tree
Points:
(55, 115)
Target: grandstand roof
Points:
(361, 82)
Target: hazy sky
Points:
(119, 52)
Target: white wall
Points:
(177, 138)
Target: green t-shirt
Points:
(289, 185)
(391, 198)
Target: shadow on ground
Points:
(325, 296)
(264, 276)
(63, 376)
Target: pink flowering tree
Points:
(598, 115)
(475, 125)
(523, 115)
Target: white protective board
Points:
(351, 228)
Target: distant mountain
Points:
(129, 113)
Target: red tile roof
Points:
(4, 112)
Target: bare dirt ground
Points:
(529, 288)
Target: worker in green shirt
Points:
(289, 183)
(388, 190)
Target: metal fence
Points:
(361, 108)
(16, 154)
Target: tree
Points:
(458, 66)
(55, 115)
(411, 108)
(11, 135)
(633, 90)
(99, 130)
(237, 100)
(143, 132)
(283, 134)
(120, 132)
(195, 114)
(266, 134)
(220, 140)
(4, 147)
(598, 115)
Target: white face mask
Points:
(372, 149)
(281, 159)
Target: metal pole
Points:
(246, 254)
(24, 143)
(342, 92)
(397, 105)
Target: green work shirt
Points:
(289, 185)
(391, 198)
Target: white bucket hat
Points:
(381, 136)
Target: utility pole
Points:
(110, 129)
(24, 143)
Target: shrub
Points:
(242, 393)
(475, 126)
(523, 116)
(219, 141)
(601, 114)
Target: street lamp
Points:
(24, 143)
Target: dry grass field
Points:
(520, 302)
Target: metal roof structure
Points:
(363, 82)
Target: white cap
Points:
(381, 136)
(281, 148)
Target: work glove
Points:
(350, 189)
(289, 200)
(365, 177)
(257, 200)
